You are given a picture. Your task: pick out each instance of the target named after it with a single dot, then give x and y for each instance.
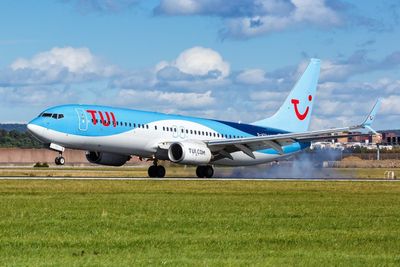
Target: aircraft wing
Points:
(223, 148)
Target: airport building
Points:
(390, 137)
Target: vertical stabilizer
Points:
(295, 113)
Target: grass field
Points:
(199, 223)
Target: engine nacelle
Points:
(105, 158)
(187, 152)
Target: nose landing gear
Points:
(156, 170)
(60, 160)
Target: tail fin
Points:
(295, 113)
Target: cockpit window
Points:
(52, 115)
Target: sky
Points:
(231, 60)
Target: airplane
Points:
(111, 136)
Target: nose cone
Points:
(35, 130)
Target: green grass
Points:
(199, 223)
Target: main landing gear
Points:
(204, 171)
(156, 170)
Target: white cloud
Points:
(166, 99)
(314, 12)
(252, 76)
(37, 96)
(390, 105)
(249, 18)
(200, 61)
(58, 65)
(74, 60)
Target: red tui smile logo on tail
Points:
(301, 116)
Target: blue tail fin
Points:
(295, 113)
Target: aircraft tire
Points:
(57, 161)
(160, 171)
(200, 171)
(208, 171)
(152, 171)
(61, 160)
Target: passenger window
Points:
(191, 131)
(147, 126)
(163, 128)
(130, 125)
(187, 131)
(155, 127)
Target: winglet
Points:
(371, 116)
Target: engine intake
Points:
(105, 158)
(195, 153)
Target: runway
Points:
(196, 179)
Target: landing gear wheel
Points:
(152, 171)
(208, 171)
(200, 171)
(156, 171)
(204, 171)
(59, 160)
(160, 171)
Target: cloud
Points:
(251, 76)
(162, 100)
(222, 8)
(194, 69)
(60, 64)
(357, 63)
(37, 96)
(200, 61)
(250, 18)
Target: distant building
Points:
(386, 139)
(390, 137)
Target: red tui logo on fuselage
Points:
(105, 121)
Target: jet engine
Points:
(187, 152)
(105, 158)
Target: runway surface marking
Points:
(196, 179)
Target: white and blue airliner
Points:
(111, 136)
